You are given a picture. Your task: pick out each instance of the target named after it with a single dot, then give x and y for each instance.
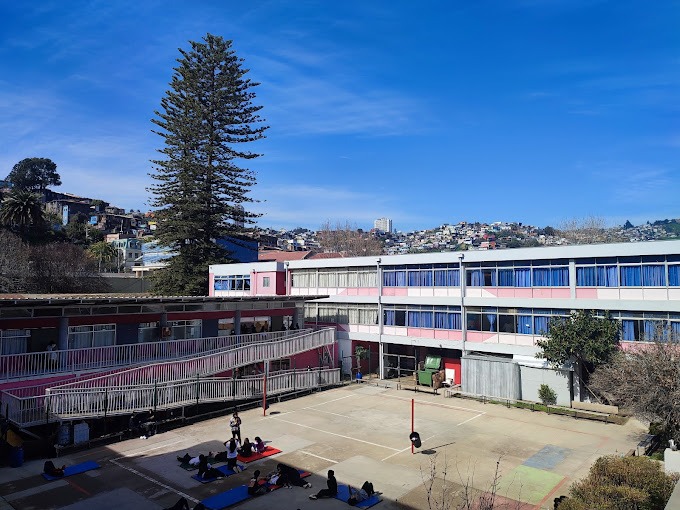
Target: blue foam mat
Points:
(343, 495)
(75, 469)
(226, 471)
(227, 499)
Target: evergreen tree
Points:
(34, 174)
(201, 191)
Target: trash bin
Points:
(16, 456)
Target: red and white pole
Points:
(413, 414)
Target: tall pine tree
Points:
(200, 190)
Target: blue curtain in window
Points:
(390, 316)
(675, 331)
(524, 325)
(630, 276)
(506, 278)
(541, 276)
(559, 276)
(401, 278)
(523, 277)
(585, 276)
(389, 279)
(674, 276)
(413, 319)
(414, 278)
(446, 278)
(653, 276)
(651, 333)
(541, 325)
(455, 321)
(491, 317)
(476, 278)
(441, 320)
(426, 320)
(607, 276)
(628, 330)
(427, 279)
(494, 279)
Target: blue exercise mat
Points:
(226, 471)
(227, 499)
(74, 470)
(343, 495)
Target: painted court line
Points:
(402, 451)
(470, 419)
(328, 412)
(318, 456)
(334, 434)
(152, 480)
(145, 450)
(427, 403)
(328, 402)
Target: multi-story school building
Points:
(481, 311)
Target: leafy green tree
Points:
(616, 483)
(200, 189)
(581, 337)
(34, 174)
(104, 253)
(21, 209)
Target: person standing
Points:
(332, 489)
(235, 425)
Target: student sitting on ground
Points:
(246, 449)
(332, 489)
(50, 469)
(256, 485)
(289, 476)
(357, 496)
(205, 469)
(258, 445)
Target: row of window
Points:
(653, 271)
(524, 321)
(234, 282)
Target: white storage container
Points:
(81, 433)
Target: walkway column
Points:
(237, 322)
(381, 348)
(62, 340)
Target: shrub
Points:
(547, 395)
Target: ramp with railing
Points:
(42, 364)
(169, 383)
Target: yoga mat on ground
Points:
(343, 495)
(270, 450)
(227, 499)
(75, 469)
(303, 474)
(227, 471)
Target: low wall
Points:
(598, 408)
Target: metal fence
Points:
(72, 404)
(126, 390)
(33, 364)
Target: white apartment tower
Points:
(383, 224)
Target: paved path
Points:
(361, 432)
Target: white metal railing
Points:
(209, 364)
(29, 406)
(15, 366)
(70, 404)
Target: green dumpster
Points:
(432, 366)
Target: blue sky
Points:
(535, 111)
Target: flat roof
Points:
(15, 300)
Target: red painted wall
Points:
(455, 364)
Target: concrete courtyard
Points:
(361, 432)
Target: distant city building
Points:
(383, 224)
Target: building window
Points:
(14, 341)
(148, 332)
(265, 281)
(186, 329)
(100, 335)
(234, 282)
